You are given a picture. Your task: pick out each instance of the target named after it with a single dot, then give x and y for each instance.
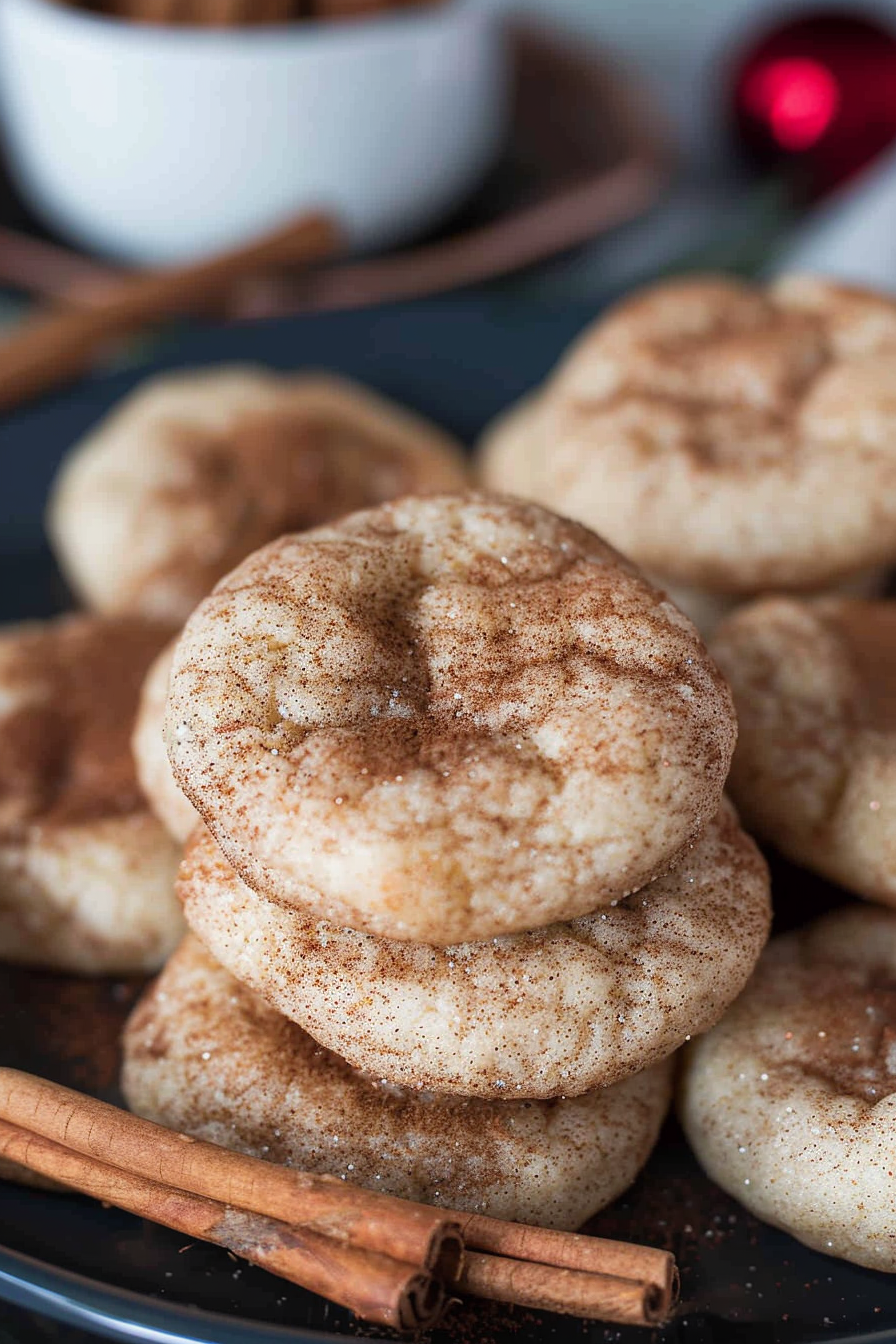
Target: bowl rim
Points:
(381, 28)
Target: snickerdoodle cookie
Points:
(556, 1011)
(175, 811)
(86, 871)
(194, 471)
(728, 438)
(815, 766)
(790, 1102)
(445, 719)
(204, 1055)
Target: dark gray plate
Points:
(460, 361)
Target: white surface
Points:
(852, 236)
(156, 144)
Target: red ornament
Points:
(818, 92)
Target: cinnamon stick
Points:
(596, 1297)
(509, 1262)
(377, 1287)
(415, 1233)
(49, 270)
(571, 1250)
(57, 344)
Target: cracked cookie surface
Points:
(445, 719)
(558, 1011)
(206, 1056)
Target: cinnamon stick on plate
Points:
(571, 1250)
(415, 1233)
(382, 1256)
(56, 344)
(376, 1287)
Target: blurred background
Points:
(564, 149)
(781, 115)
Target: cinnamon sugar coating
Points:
(175, 811)
(815, 766)
(558, 1011)
(445, 719)
(790, 1102)
(726, 437)
(204, 1055)
(86, 872)
(194, 471)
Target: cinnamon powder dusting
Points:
(268, 474)
(851, 1043)
(65, 755)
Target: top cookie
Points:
(724, 436)
(194, 471)
(446, 719)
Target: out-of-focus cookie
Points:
(194, 471)
(175, 811)
(815, 767)
(204, 1055)
(86, 871)
(790, 1102)
(558, 1011)
(729, 439)
(445, 719)
(707, 610)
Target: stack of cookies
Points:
(466, 878)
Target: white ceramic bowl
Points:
(155, 144)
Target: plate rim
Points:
(121, 1313)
